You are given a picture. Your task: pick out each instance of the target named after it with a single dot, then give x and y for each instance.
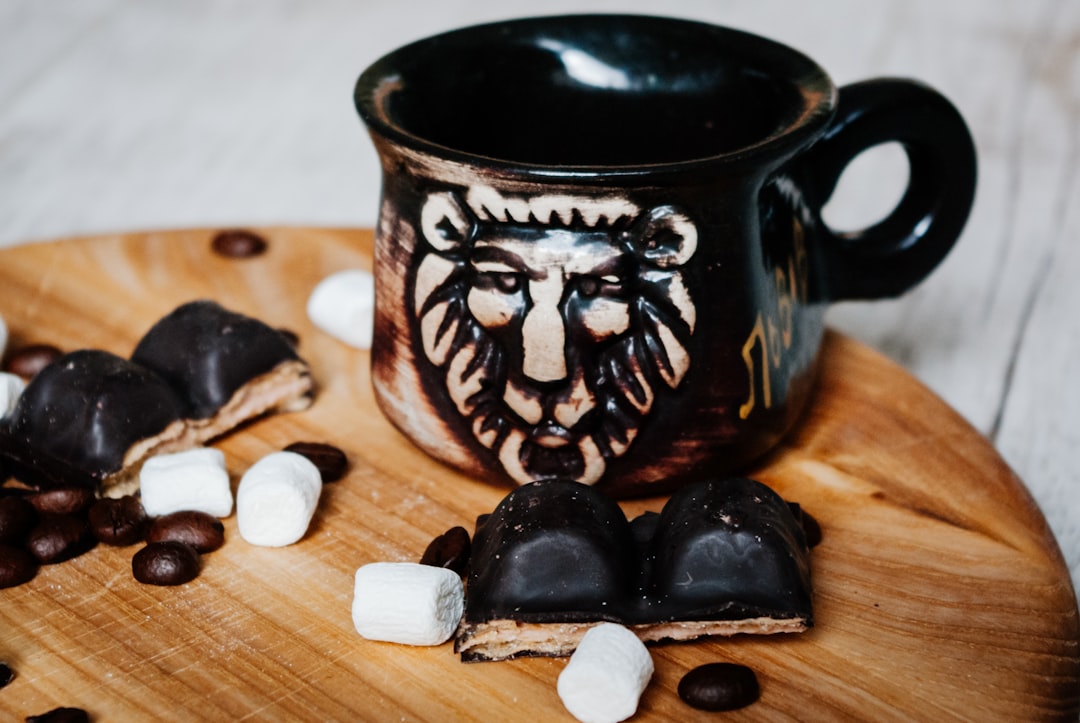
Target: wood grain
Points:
(940, 593)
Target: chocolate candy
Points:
(557, 557)
(732, 550)
(551, 551)
(91, 418)
(207, 353)
(76, 420)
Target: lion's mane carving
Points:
(555, 320)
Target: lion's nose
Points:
(543, 332)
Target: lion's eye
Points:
(592, 286)
(505, 282)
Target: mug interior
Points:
(595, 91)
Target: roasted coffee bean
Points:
(166, 563)
(61, 715)
(16, 566)
(331, 461)
(28, 360)
(6, 674)
(481, 520)
(202, 531)
(238, 244)
(64, 501)
(450, 550)
(290, 336)
(719, 686)
(56, 538)
(119, 522)
(811, 529)
(17, 518)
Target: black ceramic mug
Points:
(600, 253)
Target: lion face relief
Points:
(555, 320)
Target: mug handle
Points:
(896, 253)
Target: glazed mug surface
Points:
(600, 253)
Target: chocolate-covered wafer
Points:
(730, 552)
(209, 353)
(91, 418)
(556, 558)
(553, 550)
(84, 417)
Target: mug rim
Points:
(816, 89)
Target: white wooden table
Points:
(119, 115)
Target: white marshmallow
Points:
(195, 479)
(606, 675)
(343, 305)
(277, 498)
(406, 602)
(11, 386)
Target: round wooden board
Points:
(939, 591)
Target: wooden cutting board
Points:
(940, 592)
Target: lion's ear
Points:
(445, 222)
(665, 237)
